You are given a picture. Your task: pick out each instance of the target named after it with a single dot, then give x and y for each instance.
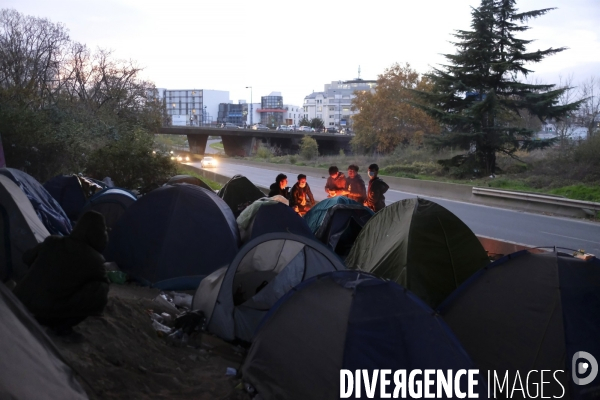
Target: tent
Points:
(420, 245)
(347, 320)
(267, 216)
(110, 202)
(72, 192)
(173, 237)
(32, 366)
(234, 299)
(20, 230)
(192, 180)
(239, 192)
(529, 312)
(314, 217)
(341, 225)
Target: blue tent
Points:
(72, 192)
(347, 320)
(529, 312)
(279, 218)
(314, 217)
(341, 226)
(110, 202)
(46, 207)
(174, 236)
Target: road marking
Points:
(570, 237)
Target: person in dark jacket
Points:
(67, 280)
(336, 183)
(375, 198)
(280, 187)
(355, 186)
(301, 198)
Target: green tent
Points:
(420, 245)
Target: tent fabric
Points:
(20, 229)
(192, 180)
(32, 366)
(47, 209)
(261, 273)
(314, 217)
(267, 216)
(528, 312)
(72, 192)
(174, 236)
(239, 192)
(346, 320)
(341, 225)
(420, 245)
(110, 202)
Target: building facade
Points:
(192, 107)
(233, 113)
(271, 110)
(334, 104)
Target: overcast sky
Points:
(295, 47)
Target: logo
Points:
(578, 368)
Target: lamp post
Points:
(251, 111)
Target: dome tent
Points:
(234, 299)
(192, 180)
(20, 230)
(268, 216)
(174, 236)
(31, 364)
(420, 245)
(110, 202)
(528, 312)
(72, 192)
(347, 320)
(239, 192)
(341, 226)
(314, 217)
(46, 207)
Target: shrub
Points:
(309, 149)
(293, 159)
(263, 152)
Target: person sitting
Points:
(336, 183)
(280, 187)
(355, 186)
(301, 198)
(377, 187)
(67, 281)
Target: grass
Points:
(212, 184)
(217, 146)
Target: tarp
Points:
(239, 192)
(347, 320)
(174, 236)
(529, 312)
(110, 202)
(342, 225)
(192, 180)
(268, 216)
(46, 207)
(234, 299)
(20, 230)
(420, 245)
(32, 367)
(72, 192)
(314, 217)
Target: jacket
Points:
(275, 190)
(357, 189)
(375, 197)
(337, 184)
(298, 194)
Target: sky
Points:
(297, 47)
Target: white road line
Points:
(570, 237)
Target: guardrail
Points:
(589, 207)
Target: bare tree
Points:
(565, 127)
(589, 112)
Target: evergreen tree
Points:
(479, 97)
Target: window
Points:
(332, 116)
(331, 108)
(319, 109)
(331, 124)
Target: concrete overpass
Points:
(245, 142)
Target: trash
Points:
(156, 317)
(249, 388)
(167, 318)
(162, 299)
(178, 338)
(160, 327)
(190, 321)
(231, 371)
(193, 357)
(118, 277)
(182, 300)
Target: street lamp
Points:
(251, 111)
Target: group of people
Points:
(301, 198)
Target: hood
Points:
(274, 186)
(91, 229)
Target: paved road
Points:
(210, 150)
(515, 226)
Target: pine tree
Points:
(479, 97)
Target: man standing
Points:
(355, 186)
(301, 198)
(280, 187)
(375, 198)
(336, 183)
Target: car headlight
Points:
(187, 158)
(172, 158)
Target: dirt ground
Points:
(121, 356)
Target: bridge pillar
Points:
(242, 146)
(197, 143)
(330, 147)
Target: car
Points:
(332, 129)
(306, 129)
(208, 162)
(229, 125)
(259, 127)
(180, 158)
(284, 128)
